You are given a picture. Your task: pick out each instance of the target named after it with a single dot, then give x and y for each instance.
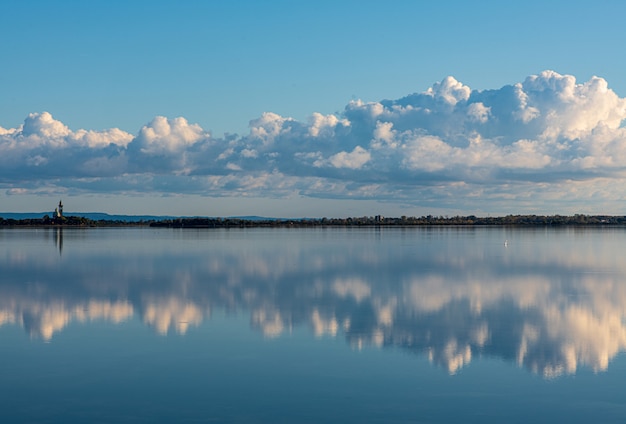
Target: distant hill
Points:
(99, 216)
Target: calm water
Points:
(429, 325)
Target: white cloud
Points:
(573, 110)
(426, 153)
(447, 141)
(478, 112)
(249, 153)
(384, 135)
(269, 126)
(320, 125)
(95, 139)
(523, 112)
(450, 91)
(352, 160)
(164, 135)
(44, 126)
(4, 131)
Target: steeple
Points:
(59, 210)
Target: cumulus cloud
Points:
(164, 135)
(44, 148)
(445, 143)
(449, 91)
(352, 160)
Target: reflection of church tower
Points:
(58, 238)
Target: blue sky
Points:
(278, 102)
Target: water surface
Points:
(433, 325)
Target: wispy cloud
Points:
(547, 137)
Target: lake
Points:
(346, 325)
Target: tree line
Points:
(364, 221)
(509, 220)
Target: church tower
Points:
(60, 210)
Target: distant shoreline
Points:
(365, 221)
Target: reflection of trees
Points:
(550, 312)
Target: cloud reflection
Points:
(165, 315)
(549, 310)
(41, 318)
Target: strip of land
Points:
(365, 221)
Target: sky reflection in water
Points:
(550, 302)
